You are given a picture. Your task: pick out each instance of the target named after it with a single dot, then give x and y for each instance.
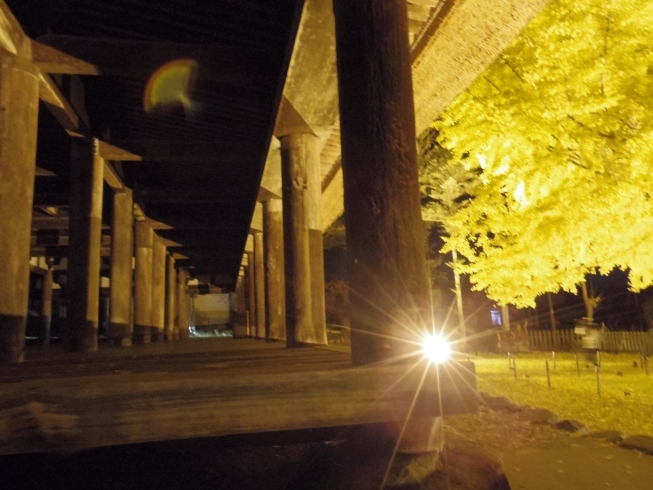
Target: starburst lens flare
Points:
(436, 349)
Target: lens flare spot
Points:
(170, 85)
(435, 348)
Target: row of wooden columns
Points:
(160, 296)
(388, 279)
(153, 296)
(284, 277)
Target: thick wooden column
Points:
(46, 307)
(158, 289)
(389, 292)
(122, 253)
(143, 284)
(251, 293)
(316, 247)
(19, 109)
(260, 285)
(275, 294)
(298, 152)
(183, 305)
(86, 188)
(171, 300)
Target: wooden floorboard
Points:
(205, 388)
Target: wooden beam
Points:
(158, 225)
(111, 152)
(60, 108)
(112, 178)
(52, 60)
(54, 223)
(266, 194)
(266, 391)
(12, 36)
(73, 55)
(41, 172)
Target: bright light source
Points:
(436, 348)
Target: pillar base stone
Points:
(142, 334)
(12, 338)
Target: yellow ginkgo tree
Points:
(562, 126)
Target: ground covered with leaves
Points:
(625, 404)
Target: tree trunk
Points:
(462, 329)
(552, 314)
(589, 302)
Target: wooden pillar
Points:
(171, 300)
(86, 189)
(260, 285)
(389, 291)
(46, 307)
(251, 293)
(183, 305)
(239, 323)
(158, 289)
(19, 104)
(388, 282)
(143, 284)
(275, 294)
(316, 247)
(122, 253)
(298, 152)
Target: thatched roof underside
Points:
(469, 39)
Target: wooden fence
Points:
(612, 341)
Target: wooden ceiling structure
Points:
(194, 163)
(198, 166)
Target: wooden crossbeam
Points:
(112, 152)
(12, 36)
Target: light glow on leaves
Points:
(562, 125)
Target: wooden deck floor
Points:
(204, 388)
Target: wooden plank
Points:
(73, 55)
(87, 412)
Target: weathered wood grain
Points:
(233, 390)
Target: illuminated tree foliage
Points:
(562, 125)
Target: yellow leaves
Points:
(562, 126)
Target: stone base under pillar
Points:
(142, 334)
(81, 337)
(121, 342)
(157, 334)
(120, 334)
(12, 338)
